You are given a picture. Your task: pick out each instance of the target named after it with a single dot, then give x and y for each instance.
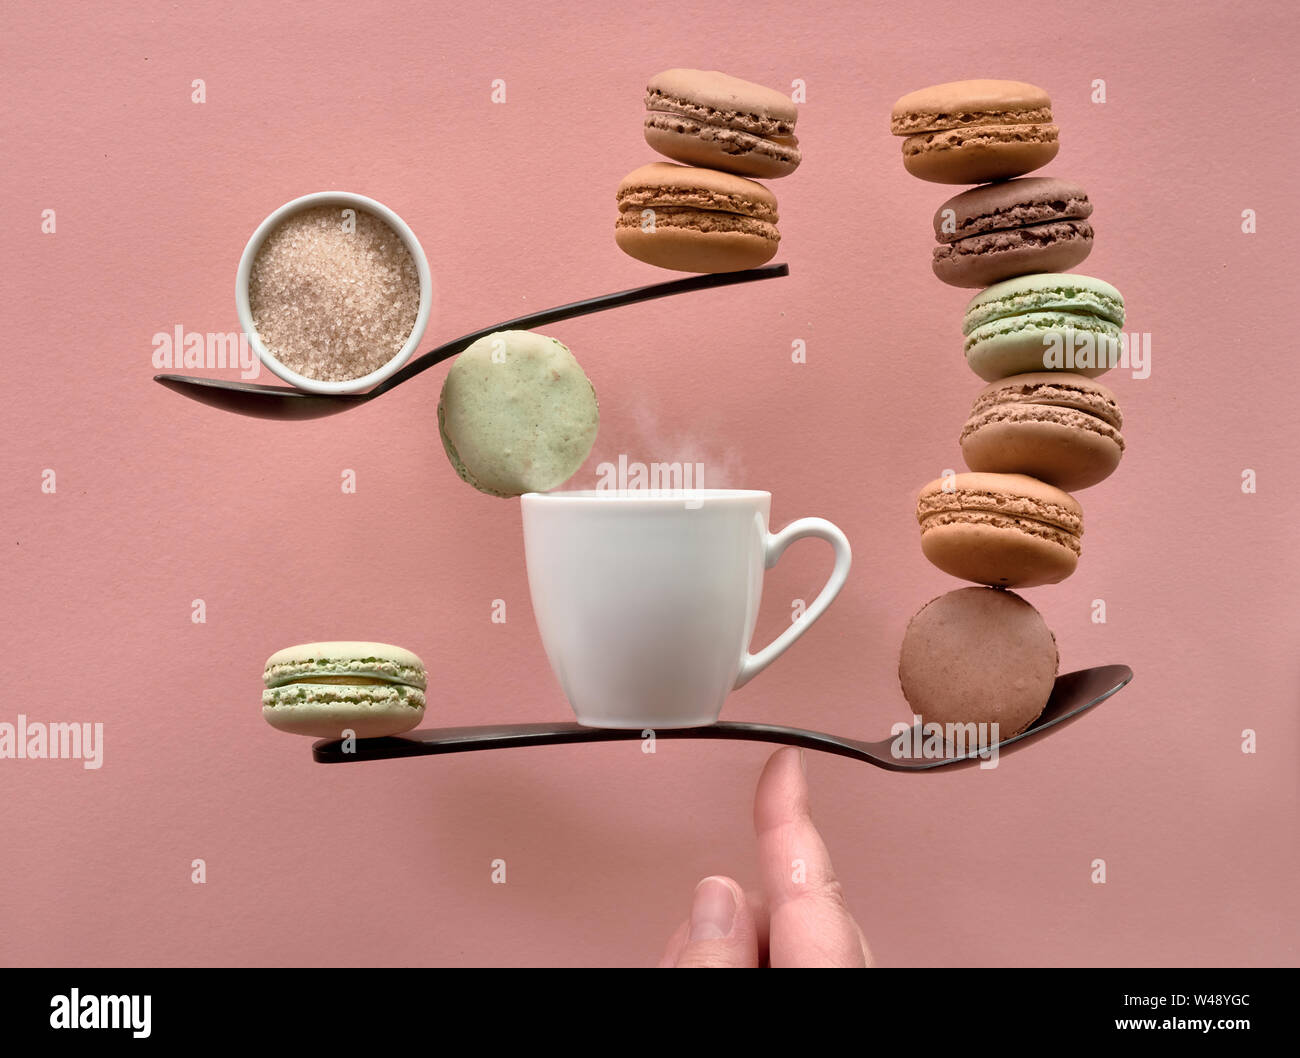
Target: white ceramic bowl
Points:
(358, 202)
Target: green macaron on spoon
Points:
(284, 402)
(1074, 694)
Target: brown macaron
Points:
(978, 656)
(695, 220)
(968, 132)
(707, 118)
(1005, 530)
(1011, 228)
(1058, 427)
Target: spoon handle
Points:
(580, 308)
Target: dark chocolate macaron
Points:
(1012, 228)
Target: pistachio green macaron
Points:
(329, 689)
(1051, 321)
(517, 414)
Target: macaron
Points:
(707, 118)
(1006, 530)
(1060, 428)
(1055, 321)
(967, 132)
(978, 656)
(1011, 228)
(517, 414)
(326, 689)
(695, 220)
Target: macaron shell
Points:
(686, 249)
(956, 104)
(328, 710)
(344, 658)
(1053, 292)
(1063, 452)
(517, 414)
(1000, 556)
(976, 155)
(1010, 204)
(715, 96)
(1026, 346)
(1044, 342)
(981, 260)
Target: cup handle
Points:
(753, 664)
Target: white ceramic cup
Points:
(348, 200)
(646, 601)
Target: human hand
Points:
(787, 923)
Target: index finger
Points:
(809, 920)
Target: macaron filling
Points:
(344, 670)
(966, 507)
(1017, 215)
(1070, 418)
(1055, 394)
(982, 136)
(700, 210)
(729, 140)
(298, 694)
(1081, 301)
(936, 120)
(1055, 322)
(1032, 236)
(658, 103)
(635, 199)
(703, 220)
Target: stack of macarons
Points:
(703, 211)
(1038, 336)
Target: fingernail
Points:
(713, 912)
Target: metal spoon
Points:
(1074, 694)
(283, 402)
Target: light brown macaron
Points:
(978, 656)
(695, 220)
(707, 118)
(969, 132)
(1061, 428)
(1005, 530)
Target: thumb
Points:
(721, 930)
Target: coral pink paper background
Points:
(161, 501)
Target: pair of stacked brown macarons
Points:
(707, 214)
(977, 655)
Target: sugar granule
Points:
(332, 303)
